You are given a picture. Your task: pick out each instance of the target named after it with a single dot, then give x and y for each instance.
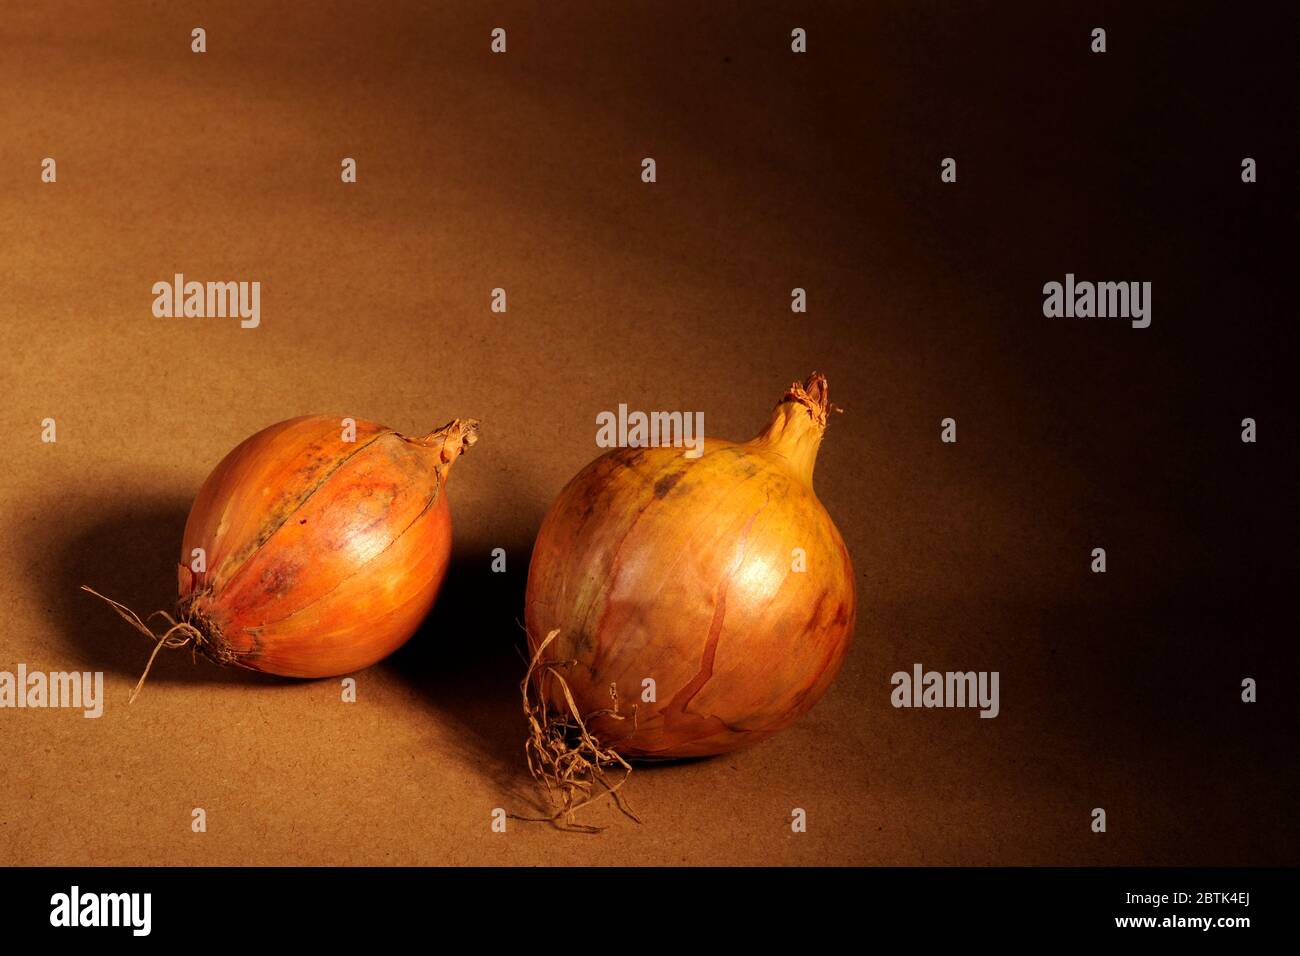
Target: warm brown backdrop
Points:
(775, 171)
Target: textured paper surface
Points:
(775, 171)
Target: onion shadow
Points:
(128, 552)
(466, 662)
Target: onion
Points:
(655, 567)
(315, 548)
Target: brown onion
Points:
(316, 547)
(654, 566)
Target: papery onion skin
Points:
(654, 565)
(322, 555)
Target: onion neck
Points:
(798, 424)
(450, 441)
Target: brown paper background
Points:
(522, 171)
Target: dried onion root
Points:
(562, 753)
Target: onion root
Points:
(563, 755)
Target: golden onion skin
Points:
(322, 555)
(654, 565)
